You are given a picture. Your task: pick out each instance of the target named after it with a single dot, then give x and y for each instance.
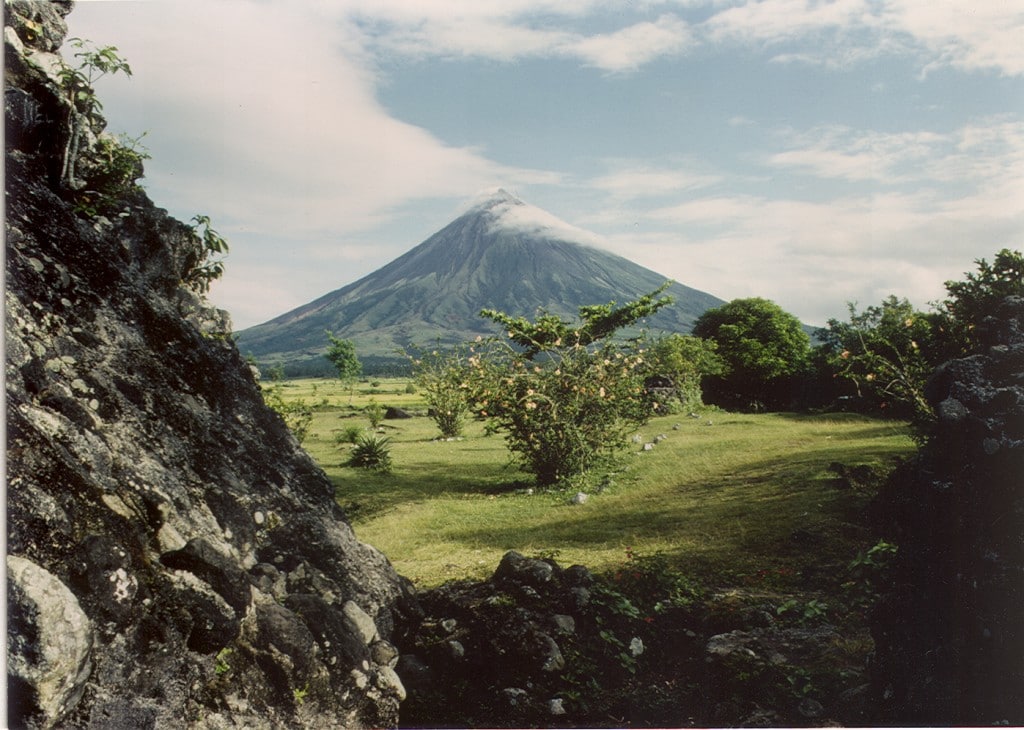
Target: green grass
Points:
(721, 496)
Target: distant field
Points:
(725, 496)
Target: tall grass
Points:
(723, 496)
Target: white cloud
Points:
(634, 181)
(935, 203)
(976, 35)
(970, 36)
(986, 154)
(635, 45)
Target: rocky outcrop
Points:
(949, 636)
(539, 645)
(174, 558)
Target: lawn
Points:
(724, 496)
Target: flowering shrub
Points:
(563, 416)
(565, 397)
(883, 351)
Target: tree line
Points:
(566, 395)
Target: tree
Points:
(342, 354)
(763, 347)
(886, 352)
(686, 360)
(564, 395)
(971, 300)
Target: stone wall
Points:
(174, 557)
(950, 635)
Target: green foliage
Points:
(803, 612)
(112, 165)
(654, 583)
(599, 321)
(371, 452)
(571, 410)
(884, 352)
(443, 376)
(375, 413)
(222, 667)
(971, 300)
(342, 354)
(204, 264)
(350, 434)
(78, 81)
(686, 360)
(868, 574)
(762, 346)
(115, 164)
(296, 414)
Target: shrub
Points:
(371, 452)
(443, 375)
(375, 413)
(565, 401)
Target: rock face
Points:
(949, 637)
(174, 557)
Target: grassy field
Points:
(724, 496)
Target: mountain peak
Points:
(505, 211)
(492, 198)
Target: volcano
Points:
(501, 254)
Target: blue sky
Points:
(809, 152)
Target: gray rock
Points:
(361, 624)
(49, 642)
(456, 650)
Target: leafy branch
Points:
(203, 268)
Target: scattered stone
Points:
(636, 646)
(556, 706)
(456, 650)
(515, 695)
(579, 498)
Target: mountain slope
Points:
(501, 254)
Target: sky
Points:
(810, 152)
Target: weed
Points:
(350, 434)
(804, 612)
(222, 667)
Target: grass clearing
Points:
(724, 496)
